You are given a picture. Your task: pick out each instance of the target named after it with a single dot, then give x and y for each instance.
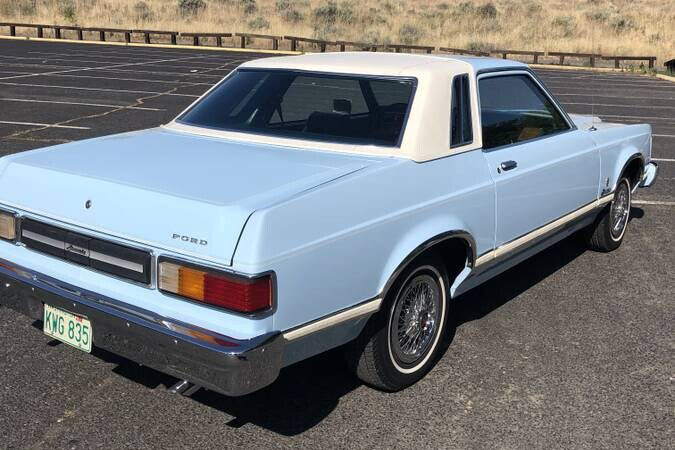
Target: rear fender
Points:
(421, 238)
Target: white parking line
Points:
(620, 106)
(94, 69)
(652, 202)
(565, 94)
(101, 105)
(664, 135)
(102, 67)
(663, 159)
(664, 85)
(135, 79)
(48, 125)
(113, 63)
(97, 89)
(672, 119)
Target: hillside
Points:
(637, 27)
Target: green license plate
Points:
(69, 328)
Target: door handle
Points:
(507, 165)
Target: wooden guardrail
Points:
(398, 47)
(535, 55)
(197, 36)
(561, 55)
(618, 59)
(294, 41)
(245, 36)
(363, 46)
(461, 51)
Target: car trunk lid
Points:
(180, 192)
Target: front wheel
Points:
(400, 343)
(611, 225)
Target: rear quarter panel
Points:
(617, 145)
(337, 245)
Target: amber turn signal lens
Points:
(216, 288)
(7, 226)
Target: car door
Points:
(543, 167)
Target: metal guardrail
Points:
(296, 42)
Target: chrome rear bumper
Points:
(220, 363)
(649, 174)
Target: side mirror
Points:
(342, 106)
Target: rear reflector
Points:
(216, 288)
(7, 226)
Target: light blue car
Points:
(304, 203)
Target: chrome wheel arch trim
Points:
(465, 236)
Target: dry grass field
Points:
(626, 27)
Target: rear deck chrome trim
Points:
(112, 260)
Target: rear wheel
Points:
(611, 225)
(400, 344)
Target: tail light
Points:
(240, 294)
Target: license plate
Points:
(68, 328)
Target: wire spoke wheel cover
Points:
(620, 210)
(416, 319)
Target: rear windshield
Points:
(304, 105)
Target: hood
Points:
(171, 190)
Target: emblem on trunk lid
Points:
(189, 239)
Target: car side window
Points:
(514, 109)
(461, 131)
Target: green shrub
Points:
(487, 11)
(293, 16)
(249, 6)
(67, 9)
(597, 16)
(27, 7)
(288, 11)
(258, 23)
(191, 7)
(143, 11)
(331, 13)
(464, 9)
(566, 24)
(410, 34)
(621, 23)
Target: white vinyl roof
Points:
(427, 132)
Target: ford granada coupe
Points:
(305, 203)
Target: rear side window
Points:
(514, 109)
(461, 131)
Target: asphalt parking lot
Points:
(571, 349)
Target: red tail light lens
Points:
(245, 295)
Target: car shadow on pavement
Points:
(307, 392)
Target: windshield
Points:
(306, 105)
